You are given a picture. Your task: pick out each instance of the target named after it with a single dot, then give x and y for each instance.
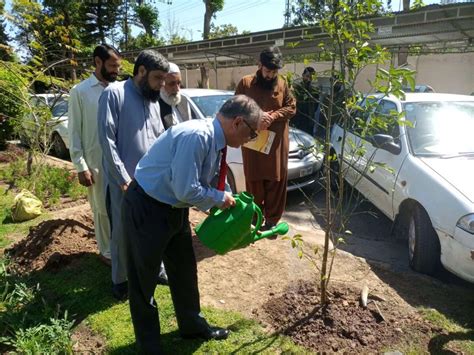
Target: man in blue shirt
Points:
(129, 122)
(178, 171)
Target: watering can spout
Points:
(281, 229)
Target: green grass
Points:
(459, 334)
(81, 290)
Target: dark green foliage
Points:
(98, 20)
(146, 16)
(306, 12)
(10, 104)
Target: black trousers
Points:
(154, 232)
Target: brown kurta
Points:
(272, 166)
(266, 174)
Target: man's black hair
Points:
(151, 60)
(103, 52)
(271, 58)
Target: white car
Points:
(427, 185)
(304, 161)
(57, 126)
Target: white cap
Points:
(174, 69)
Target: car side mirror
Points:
(385, 142)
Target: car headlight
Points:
(467, 223)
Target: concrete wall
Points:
(450, 73)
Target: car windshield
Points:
(60, 108)
(210, 105)
(440, 128)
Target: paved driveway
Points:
(371, 238)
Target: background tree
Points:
(66, 11)
(145, 16)
(306, 12)
(98, 20)
(173, 33)
(45, 33)
(212, 7)
(5, 49)
(222, 31)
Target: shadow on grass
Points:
(171, 342)
(82, 287)
(438, 342)
(8, 220)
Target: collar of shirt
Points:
(94, 81)
(219, 134)
(132, 84)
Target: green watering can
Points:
(229, 229)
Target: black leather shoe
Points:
(120, 291)
(209, 333)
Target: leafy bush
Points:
(49, 183)
(54, 338)
(11, 106)
(27, 332)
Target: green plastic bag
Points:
(27, 206)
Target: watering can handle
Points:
(259, 222)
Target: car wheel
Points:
(423, 244)
(231, 181)
(58, 147)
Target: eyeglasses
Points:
(253, 133)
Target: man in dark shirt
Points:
(170, 96)
(307, 99)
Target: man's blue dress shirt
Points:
(180, 168)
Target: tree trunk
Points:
(402, 56)
(207, 21)
(403, 51)
(406, 5)
(204, 76)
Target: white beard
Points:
(172, 100)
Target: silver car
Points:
(304, 161)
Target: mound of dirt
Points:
(11, 153)
(53, 244)
(343, 325)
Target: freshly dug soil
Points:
(343, 325)
(11, 153)
(53, 244)
(87, 342)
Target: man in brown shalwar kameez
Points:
(266, 174)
